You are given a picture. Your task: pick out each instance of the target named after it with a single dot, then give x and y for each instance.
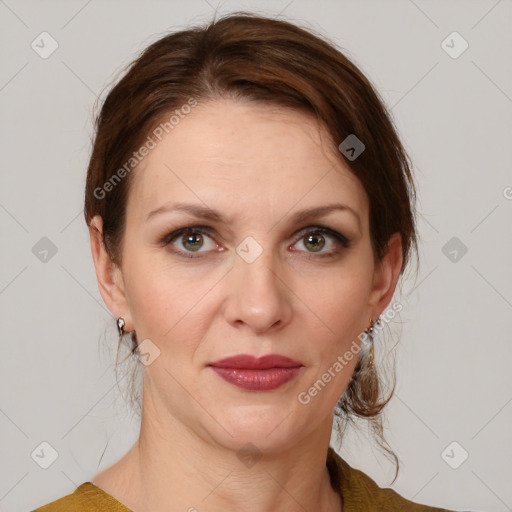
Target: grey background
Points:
(454, 357)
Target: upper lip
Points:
(246, 361)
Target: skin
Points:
(257, 165)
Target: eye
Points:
(315, 239)
(191, 240)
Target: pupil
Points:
(193, 241)
(316, 239)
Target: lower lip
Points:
(257, 380)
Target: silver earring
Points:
(371, 335)
(120, 326)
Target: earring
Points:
(370, 331)
(120, 326)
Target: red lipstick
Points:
(257, 374)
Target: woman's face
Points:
(253, 278)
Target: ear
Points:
(385, 276)
(108, 275)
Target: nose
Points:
(257, 295)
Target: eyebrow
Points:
(204, 212)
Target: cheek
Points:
(336, 320)
(340, 307)
(343, 305)
(163, 298)
(339, 297)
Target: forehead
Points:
(248, 157)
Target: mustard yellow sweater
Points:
(359, 494)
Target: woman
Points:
(250, 210)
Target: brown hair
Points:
(254, 58)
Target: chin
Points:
(268, 428)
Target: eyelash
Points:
(340, 239)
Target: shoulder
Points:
(362, 488)
(86, 497)
(360, 492)
(71, 502)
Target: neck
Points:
(171, 468)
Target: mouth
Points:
(257, 374)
